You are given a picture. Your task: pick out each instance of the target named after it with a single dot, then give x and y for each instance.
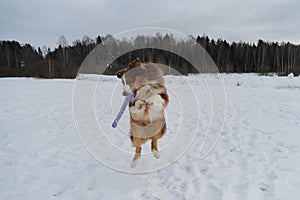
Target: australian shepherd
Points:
(147, 119)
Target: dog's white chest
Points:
(148, 106)
(156, 107)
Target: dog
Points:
(147, 118)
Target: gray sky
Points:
(42, 22)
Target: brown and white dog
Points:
(147, 119)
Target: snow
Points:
(256, 157)
(290, 75)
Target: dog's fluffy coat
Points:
(147, 119)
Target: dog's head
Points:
(133, 77)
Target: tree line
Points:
(263, 57)
(23, 60)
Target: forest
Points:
(263, 57)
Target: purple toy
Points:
(122, 109)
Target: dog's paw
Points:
(149, 104)
(156, 154)
(134, 163)
(140, 104)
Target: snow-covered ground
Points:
(256, 157)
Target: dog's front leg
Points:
(138, 110)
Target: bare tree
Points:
(86, 40)
(62, 41)
(47, 56)
(44, 51)
(7, 53)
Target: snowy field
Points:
(257, 155)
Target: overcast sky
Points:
(42, 22)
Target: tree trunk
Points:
(49, 68)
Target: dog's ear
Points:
(121, 72)
(134, 63)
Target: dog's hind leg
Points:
(154, 147)
(155, 138)
(138, 150)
